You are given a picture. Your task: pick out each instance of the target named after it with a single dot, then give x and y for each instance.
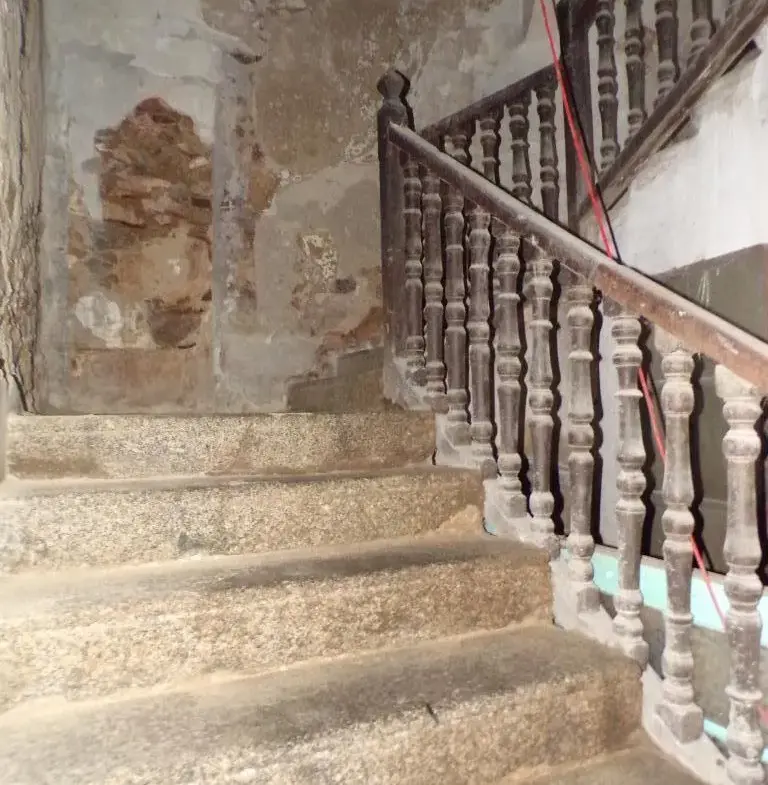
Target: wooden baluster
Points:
(550, 186)
(521, 163)
(414, 290)
(433, 291)
(678, 708)
(479, 340)
(702, 27)
(630, 483)
(509, 368)
(666, 36)
(539, 291)
(607, 86)
(742, 447)
(634, 50)
(581, 464)
(393, 111)
(455, 294)
(489, 140)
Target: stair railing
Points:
(491, 369)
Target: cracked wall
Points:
(211, 186)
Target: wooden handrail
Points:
(673, 110)
(480, 108)
(698, 329)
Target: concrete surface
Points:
(85, 633)
(467, 709)
(104, 446)
(54, 525)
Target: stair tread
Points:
(436, 712)
(24, 595)
(638, 765)
(57, 524)
(119, 446)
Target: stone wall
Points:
(211, 186)
(21, 157)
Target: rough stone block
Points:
(467, 709)
(84, 633)
(124, 447)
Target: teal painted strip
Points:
(719, 733)
(653, 585)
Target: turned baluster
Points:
(702, 27)
(741, 448)
(550, 187)
(539, 292)
(630, 484)
(414, 290)
(607, 86)
(509, 368)
(666, 36)
(489, 141)
(433, 290)
(634, 50)
(581, 464)
(678, 709)
(521, 163)
(455, 294)
(479, 340)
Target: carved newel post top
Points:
(392, 86)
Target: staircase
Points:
(296, 599)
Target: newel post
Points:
(393, 110)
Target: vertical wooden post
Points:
(414, 288)
(581, 437)
(391, 199)
(542, 501)
(433, 291)
(456, 310)
(702, 27)
(634, 50)
(630, 484)
(666, 35)
(678, 707)
(607, 86)
(742, 448)
(574, 44)
(550, 186)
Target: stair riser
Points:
(104, 447)
(114, 527)
(81, 650)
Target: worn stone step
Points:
(92, 632)
(466, 709)
(55, 525)
(122, 447)
(638, 765)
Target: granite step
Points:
(84, 633)
(58, 524)
(638, 765)
(125, 447)
(469, 709)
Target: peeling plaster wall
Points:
(21, 159)
(211, 185)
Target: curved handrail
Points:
(482, 107)
(698, 329)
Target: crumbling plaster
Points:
(281, 93)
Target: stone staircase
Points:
(287, 600)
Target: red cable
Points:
(602, 222)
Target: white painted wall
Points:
(698, 199)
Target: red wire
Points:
(610, 250)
